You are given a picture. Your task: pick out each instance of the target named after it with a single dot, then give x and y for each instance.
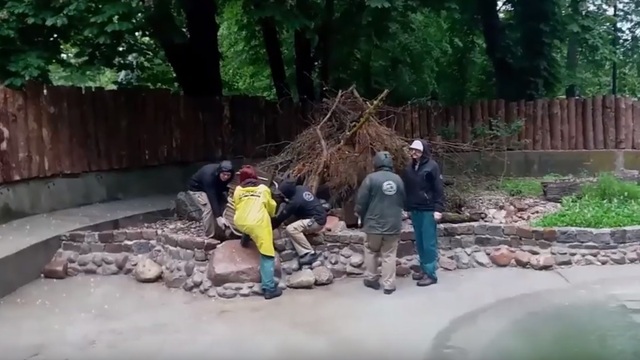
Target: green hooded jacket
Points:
(381, 197)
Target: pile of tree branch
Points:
(337, 148)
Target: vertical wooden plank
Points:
(458, 123)
(6, 137)
(588, 124)
(34, 93)
(620, 121)
(176, 118)
(546, 125)
(408, 124)
(485, 113)
(571, 122)
(78, 130)
(636, 124)
(598, 125)
(564, 129)
(556, 125)
(539, 127)
(466, 124)
(608, 122)
(529, 122)
(521, 116)
(22, 166)
(628, 129)
(579, 123)
(89, 120)
(100, 105)
(415, 121)
(63, 139)
(48, 133)
(127, 124)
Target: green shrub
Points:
(607, 203)
(521, 187)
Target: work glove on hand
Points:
(222, 223)
(437, 216)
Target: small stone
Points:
(602, 259)
(481, 259)
(531, 249)
(578, 260)
(346, 252)
(189, 267)
(334, 259)
(197, 279)
(91, 268)
(356, 260)
(200, 255)
(73, 269)
(108, 259)
(618, 258)
(73, 257)
(213, 292)
(563, 260)
(289, 267)
(444, 263)
(462, 260)
(522, 258)
(288, 255)
(56, 269)
(121, 260)
(501, 257)
(402, 270)
(97, 259)
(303, 279)
(632, 257)
(147, 271)
(226, 293)
(245, 292)
(206, 284)
(174, 280)
(591, 260)
(188, 285)
(338, 271)
(542, 262)
(354, 271)
(108, 269)
(323, 276)
(316, 264)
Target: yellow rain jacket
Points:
(254, 209)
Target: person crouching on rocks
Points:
(379, 205)
(254, 209)
(311, 218)
(209, 187)
(425, 201)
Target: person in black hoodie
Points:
(424, 189)
(311, 217)
(209, 187)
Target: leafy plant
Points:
(521, 187)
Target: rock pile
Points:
(500, 209)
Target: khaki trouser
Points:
(296, 231)
(385, 247)
(208, 220)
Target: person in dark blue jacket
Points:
(424, 189)
(209, 187)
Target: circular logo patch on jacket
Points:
(307, 196)
(389, 188)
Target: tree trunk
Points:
(304, 67)
(322, 53)
(506, 76)
(195, 59)
(273, 48)
(573, 48)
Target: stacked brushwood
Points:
(337, 149)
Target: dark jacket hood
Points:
(383, 161)
(288, 189)
(426, 153)
(225, 166)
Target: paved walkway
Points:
(107, 317)
(22, 233)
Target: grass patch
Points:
(521, 187)
(607, 203)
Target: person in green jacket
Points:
(379, 206)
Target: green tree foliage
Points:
(453, 51)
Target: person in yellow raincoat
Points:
(254, 209)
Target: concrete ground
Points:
(106, 317)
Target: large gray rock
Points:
(303, 279)
(147, 271)
(187, 208)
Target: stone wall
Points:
(183, 260)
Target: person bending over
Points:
(209, 187)
(425, 200)
(311, 217)
(379, 205)
(254, 209)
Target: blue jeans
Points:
(267, 273)
(426, 231)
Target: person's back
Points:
(254, 205)
(381, 210)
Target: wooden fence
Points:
(49, 131)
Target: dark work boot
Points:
(245, 241)
(426, 281)
(388, 291)
(272, 294)
(417, 275)
(371, 284)
(309, 258)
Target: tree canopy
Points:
(453, 51)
